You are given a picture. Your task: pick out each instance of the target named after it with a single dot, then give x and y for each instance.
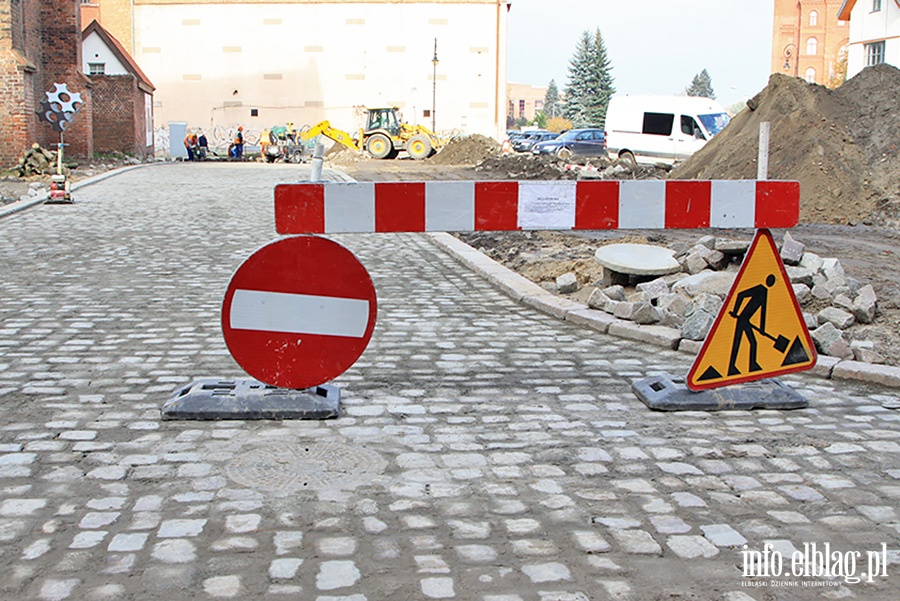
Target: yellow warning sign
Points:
(760, 331)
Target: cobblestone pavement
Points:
(486, 451)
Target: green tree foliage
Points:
(590, 82)
(551, 100)
(701, 86)
(540, 119)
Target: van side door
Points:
(689, 139)
(658, 140)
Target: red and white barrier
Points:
(453, 206)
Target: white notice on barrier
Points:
(547, 205)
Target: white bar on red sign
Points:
(299, 313)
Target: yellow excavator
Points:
(383, 137)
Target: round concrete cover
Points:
(637, 259)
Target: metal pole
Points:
(434, 62)
(762, 165)
(318, 159)
(59, 155)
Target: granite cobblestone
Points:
(517, 464)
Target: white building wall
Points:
(866, 27)
(302, 63)
(95, 50)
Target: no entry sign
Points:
(299, 312)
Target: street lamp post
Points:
(434, 62)
(788, 54)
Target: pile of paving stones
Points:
(690, 300)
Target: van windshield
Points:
(715, 122)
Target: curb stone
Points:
(527, 292)
(21, 205)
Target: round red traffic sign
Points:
(299, 312)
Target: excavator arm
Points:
(331, 133)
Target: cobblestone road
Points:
(487, 452)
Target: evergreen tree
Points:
(551, 100)
(590, 82)
(701, 86)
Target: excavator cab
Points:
(385, 119)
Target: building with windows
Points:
(257, 63)
(810, 40)
(524, 101)
(874, 33)
(123, 95)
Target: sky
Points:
(655, 46)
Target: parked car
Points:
(526, 140)
(588, 142)
(525, 143)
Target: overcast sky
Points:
(656, 46)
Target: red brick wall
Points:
(119, 115)
(61, 63)
(47, 34)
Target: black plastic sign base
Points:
(666, 392)
(211, 399)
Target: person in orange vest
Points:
(190, 144)
(238, 148)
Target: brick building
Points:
(40, 44)
(123, 95)
(524, 101)
(810, 40)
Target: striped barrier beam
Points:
(463, 206)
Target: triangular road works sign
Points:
(760, 331)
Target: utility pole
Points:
(434, 62)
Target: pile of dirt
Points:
(338, 154)
(468, 150)
(839, 144)
(524, 166)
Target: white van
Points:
(661, 129)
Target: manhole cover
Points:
(287, 468)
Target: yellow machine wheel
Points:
(419, 147)
(379, 146)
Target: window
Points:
(522, 108)
(812, 46)
(876, 6)
(813, 18)
(510, 110)
(97, 68)
(690, 127)
(810, 75)
(659, 124)
(874, 53)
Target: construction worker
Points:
(190, 144)
(238, 150)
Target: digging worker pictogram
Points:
(756, 298)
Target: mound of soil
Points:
(469, 150)
(839, 144)
(525, 166)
